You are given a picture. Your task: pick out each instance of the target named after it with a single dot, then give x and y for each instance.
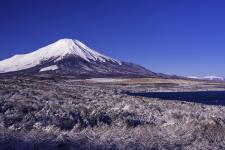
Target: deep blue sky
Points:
(184, 37)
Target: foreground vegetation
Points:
(56, 113)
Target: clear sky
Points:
(183, 37)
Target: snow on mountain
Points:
(56, 52)
(215, 78)
(53, 67)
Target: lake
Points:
(204, 97)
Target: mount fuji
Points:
(71, 57)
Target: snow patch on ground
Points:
(193, 77)
(53, 67)
(105, 80)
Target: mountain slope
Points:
(70, 57)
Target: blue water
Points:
(204, 97)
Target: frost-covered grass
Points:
(69, 114)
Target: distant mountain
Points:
(212, 78)
(71, 57)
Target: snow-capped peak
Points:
(55, 51)
(215, 78)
